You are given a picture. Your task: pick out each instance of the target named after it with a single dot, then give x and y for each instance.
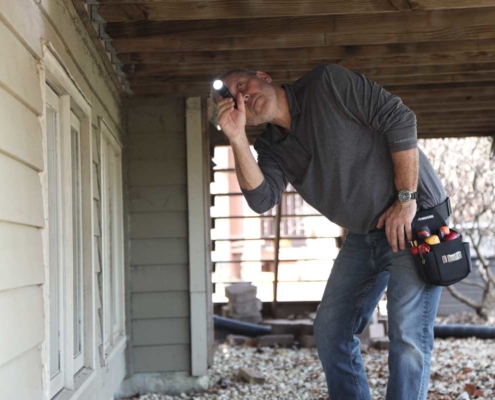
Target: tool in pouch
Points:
(440, 254)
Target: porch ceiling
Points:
(437, 55)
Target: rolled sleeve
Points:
(269, 192)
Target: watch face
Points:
(404, 195)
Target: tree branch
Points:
(464, 299)
(469, 282)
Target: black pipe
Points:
(464, 331)
(239, 327)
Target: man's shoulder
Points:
(320, 76)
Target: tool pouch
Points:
(447, 262)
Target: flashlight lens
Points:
(217, 84)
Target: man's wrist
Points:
(406, 195)
(239, 140)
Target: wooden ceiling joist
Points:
(437, 55)
(383, 73)
(319, 31)
(166, 10)
(439, 52)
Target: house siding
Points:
(158, 234)
(450, 305)
(24, 28)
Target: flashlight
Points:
(223, 90)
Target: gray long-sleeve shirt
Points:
(337, 154)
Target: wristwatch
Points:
(405, 195)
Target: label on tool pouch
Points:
(452, 257)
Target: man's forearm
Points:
(248, 173)
(406, 167)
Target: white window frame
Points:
(74, 110)
(113, 286)
(55, 218)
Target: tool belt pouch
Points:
(447, 262)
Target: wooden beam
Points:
(388, 82)
(318, 31)
(425, 52)
(406, 92)
(287, 70)
(429, 108)
(292, 75)
(440, 78)
(165, 10)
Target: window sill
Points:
(111, 352)
(82, 382)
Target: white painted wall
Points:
(25, 27)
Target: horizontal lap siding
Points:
(25, 25)
(450, 305)
(25, 372)
(21, 217)
(158, 235)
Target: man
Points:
(348, 147)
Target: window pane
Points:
(77, 243)
(53, 233)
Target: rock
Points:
(251, 376)
(463, 396)
(271, 340)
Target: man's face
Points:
(260, 97)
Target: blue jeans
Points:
(361, 272)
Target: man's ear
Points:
(263, 75)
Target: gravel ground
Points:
(461, 369)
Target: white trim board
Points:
(197, 238)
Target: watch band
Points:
(405, 195)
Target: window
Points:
(65, 241)
(112, 289)
(68, 235)
(57, 355)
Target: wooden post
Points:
(275, 260)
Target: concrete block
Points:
(247, 308)
(307, 341)
(372, 331)
(241, 292)
(254, 319)
(296, 327)
(225, 311)
(271, 340)
(364, 346)
(239, 340)
(251, 376)
(381, 344)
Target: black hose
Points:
(465, 331)
(239, 327)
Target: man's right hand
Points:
(231, 120)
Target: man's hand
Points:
(231, 120)
(397, 220)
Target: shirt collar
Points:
(294, 111)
